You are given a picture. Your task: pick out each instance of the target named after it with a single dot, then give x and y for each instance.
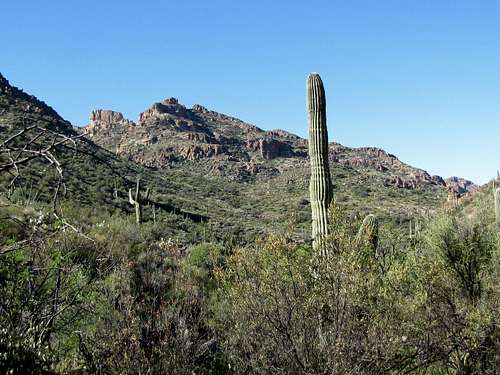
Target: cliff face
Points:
(168, 133)
(105, 121)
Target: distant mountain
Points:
(169, 135)
(204, 164)
(269, 167)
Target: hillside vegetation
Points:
(219, 275)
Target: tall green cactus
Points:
(136, 201)
(320, 188)
(368, 231)
(496, 196)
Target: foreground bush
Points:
(430, 306)
(125, 300)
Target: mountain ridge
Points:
(193, 128)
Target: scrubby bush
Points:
(457, 274)
(150, 316)
(282, 309)
(428, 306)
(45, 283)
(126, 299)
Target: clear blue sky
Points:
(419, 78)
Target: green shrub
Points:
(425, 306)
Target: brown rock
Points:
(460, 185)
(102, 120)
(198, 137)
(200, 109)
(194, 152)
(165, 107)
(269, 148)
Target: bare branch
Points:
(35, 142)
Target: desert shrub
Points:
(456, 274)
(152, 317)
(132, 300)
(102, 296)
(283, 310)
(430, 305)
(44, 286)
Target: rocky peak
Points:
(169, 106)
(200, 109)
(170, 101)
(175, 134)
(107, 116)
(104, 120)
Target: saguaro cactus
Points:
(137, 200)
(115, 189)
(368, 231)
(320, 188)
(496, 195)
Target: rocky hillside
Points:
(169, 135)
(266, 172)
(92, 177)
(206, 166)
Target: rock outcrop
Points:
(194, 152)
(200, 109)
(103, 121)
(169, 106)
(460, 185)
(438, 180)
(269, 148)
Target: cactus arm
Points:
(136, 202)
(130, 199)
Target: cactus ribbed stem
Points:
(320, 188)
